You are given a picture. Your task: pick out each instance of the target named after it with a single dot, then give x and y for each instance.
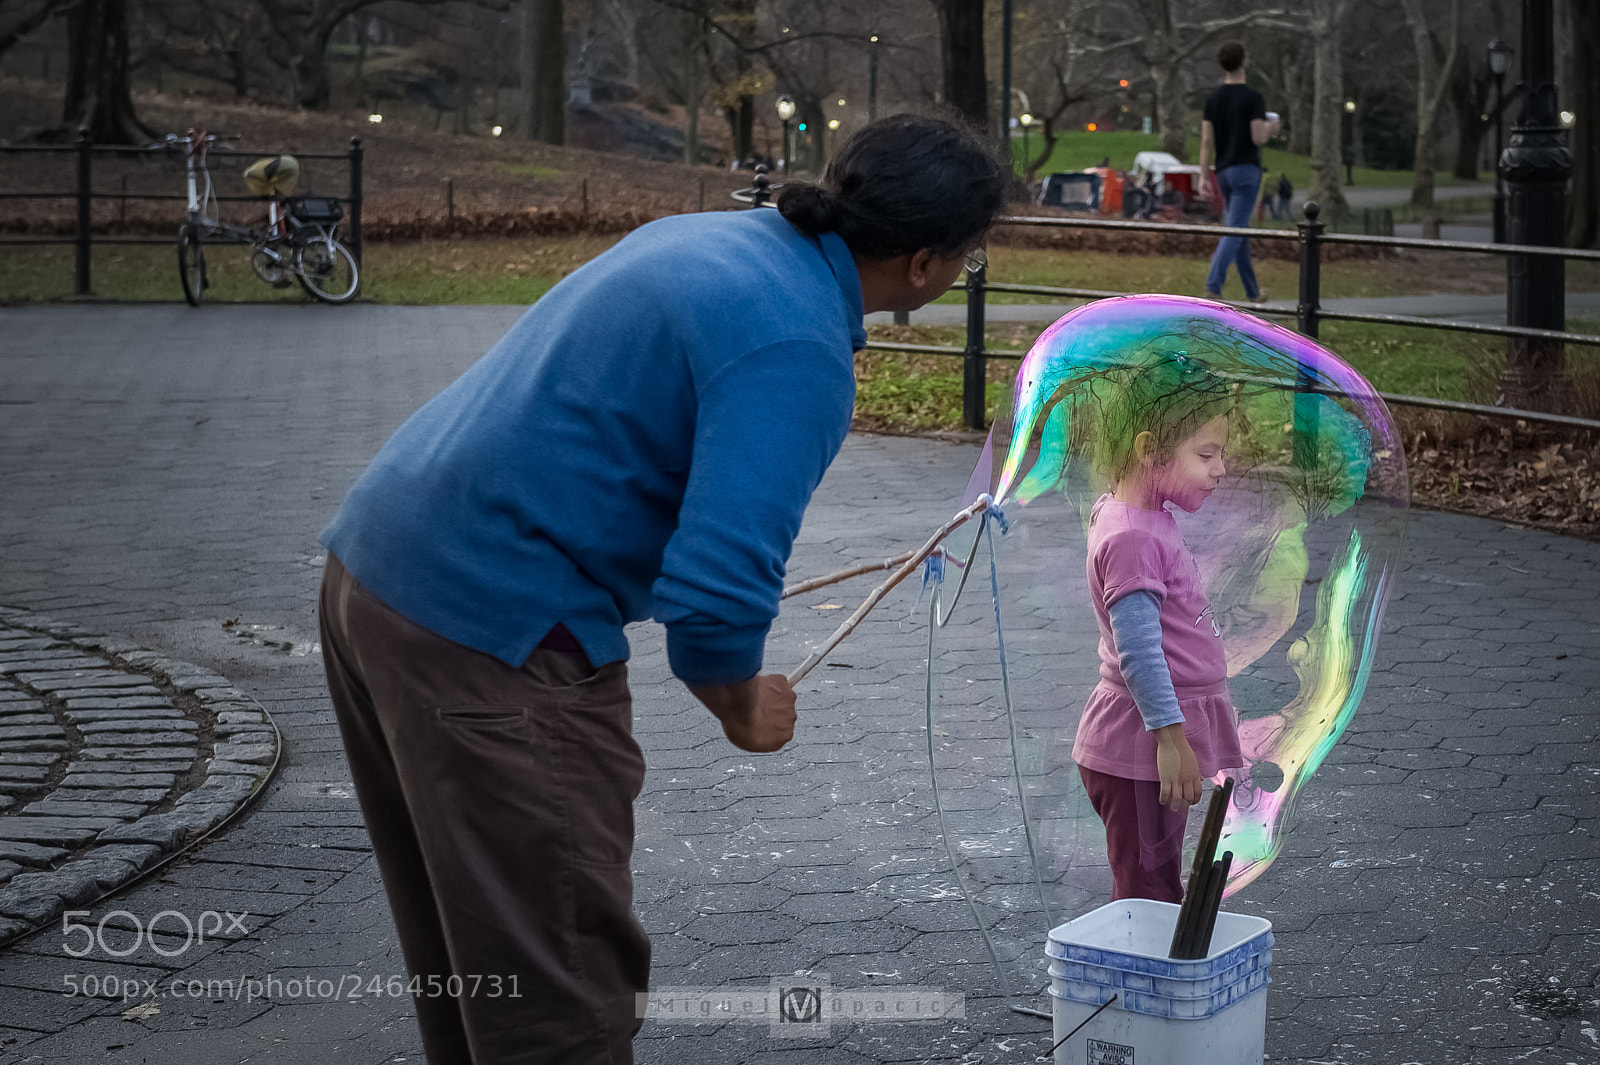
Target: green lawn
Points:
(1106, 271)
(413, 272)
(911, 393)
(1076, 149)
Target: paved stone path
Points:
(164, 471)
(107, 765)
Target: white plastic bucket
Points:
(1167, 1012)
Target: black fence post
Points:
(1306, 314)
(1304, 441)
(85, 219)
(973, 375)
(355, 198)
(762, 191)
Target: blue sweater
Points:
(643, 442)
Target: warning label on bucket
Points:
(1109, 1053)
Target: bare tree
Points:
(1286, 66)
(18, 18)
(961, 50)
(1166, 38)
(1074, 40)
(218, 39)
(1583, 199)
(302, 30)
(98, 98)
(544, 71)
(1435, 70)
(1324, 23)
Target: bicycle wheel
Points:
(192, 265)
(326, 269)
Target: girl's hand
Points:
(1179, 768)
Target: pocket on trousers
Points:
(483, 717)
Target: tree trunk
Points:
(310, 69)
(1171, 114)
(42, 12)
(1433, 81)
(1298, 86)
(543, 88)
(1327, 175)
(1583, 98)
(97, 96)
(694, 84)
(239, 72)
(966, 86)
(1470, 97)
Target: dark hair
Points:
(1230, 55)
(1169, 395)
(902, 184)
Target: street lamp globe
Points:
(1350, 106)
(1026, 119)
(1499, 56)
(785, 107)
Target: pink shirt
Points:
(1130, 550)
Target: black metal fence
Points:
(1308, 312)
(84, 238)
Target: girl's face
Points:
(1196, 467)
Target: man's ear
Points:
(919, 267)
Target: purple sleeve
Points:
(1131, 561)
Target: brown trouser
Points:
(500, 806)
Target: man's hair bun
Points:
(808, 208)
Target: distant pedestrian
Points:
(1235, 126)
(1285, 193)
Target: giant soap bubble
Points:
(1297, 550)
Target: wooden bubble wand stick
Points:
(908, 567)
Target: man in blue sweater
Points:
(643, 443)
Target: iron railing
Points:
(84, 238)
(1308, 312)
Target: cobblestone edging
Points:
(113, 759)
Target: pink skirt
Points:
(1112, 739)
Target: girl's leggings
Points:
(1144, 839)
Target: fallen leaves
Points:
(1529, 476)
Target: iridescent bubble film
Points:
(1297, 550)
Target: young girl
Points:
(1161, 718)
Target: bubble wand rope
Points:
(979, 506)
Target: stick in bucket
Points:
(1193, 915)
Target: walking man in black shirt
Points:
(1235, 127)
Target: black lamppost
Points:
(1349, 142)
(785, 113)
(1025, 120)
(1535, 167)
(1499, 59)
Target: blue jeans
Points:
(1238, 185)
